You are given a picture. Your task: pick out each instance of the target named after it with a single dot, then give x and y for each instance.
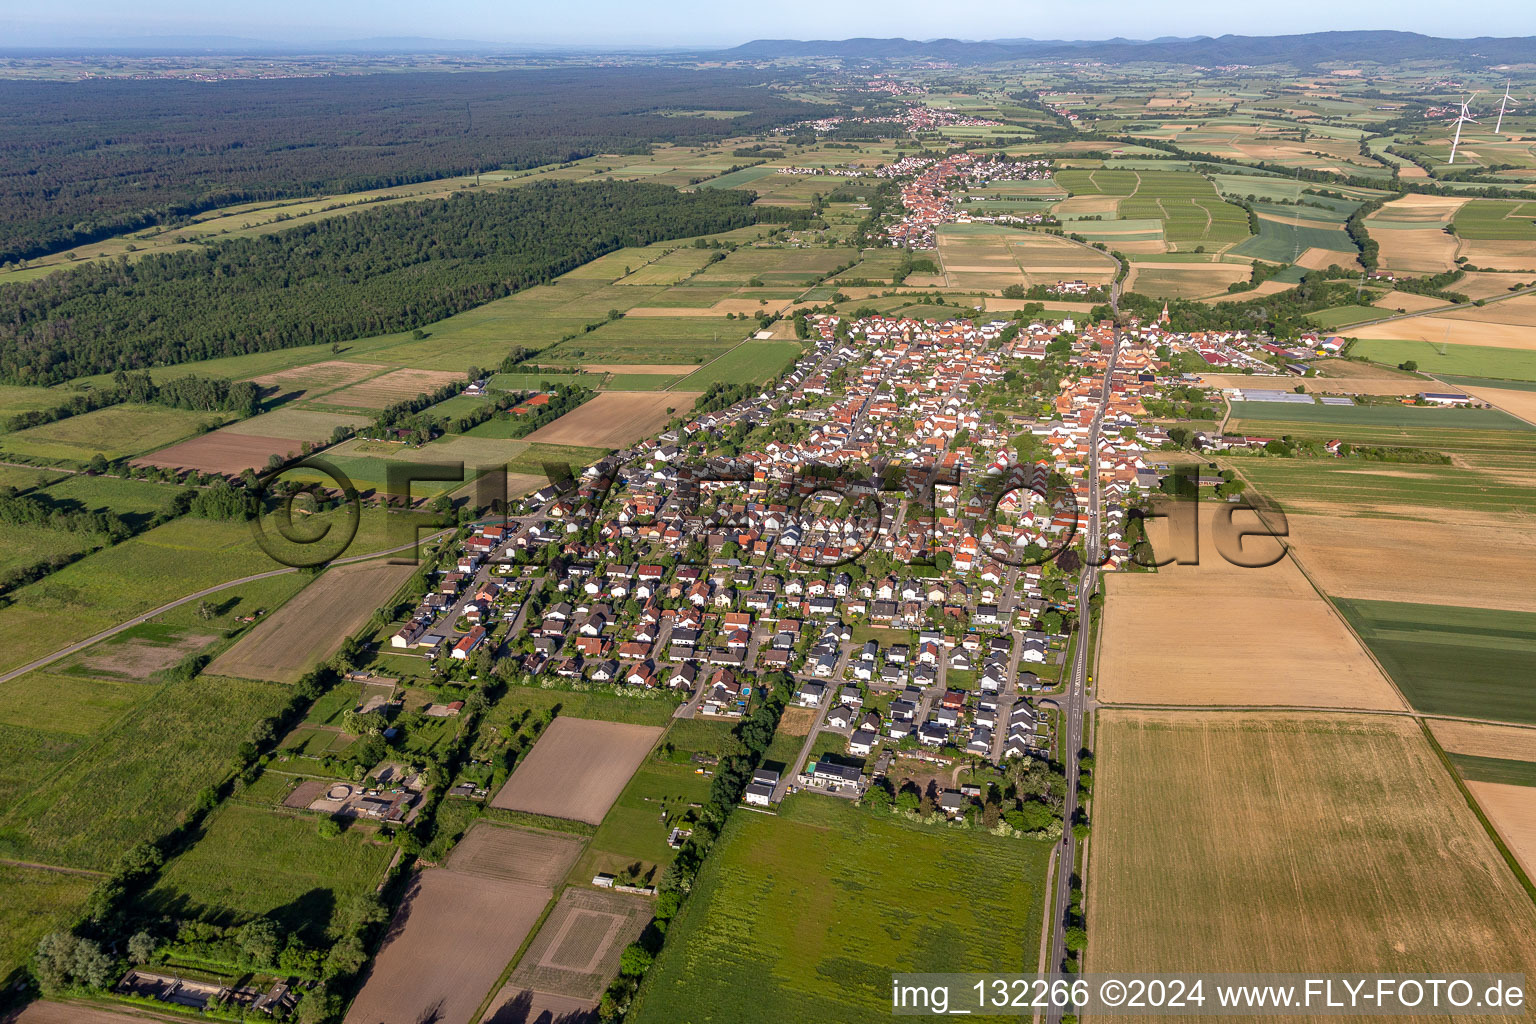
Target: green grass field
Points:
(32, 904)
(752, 362)
(1346, 482)
(1462, 360)
(136, 779)
(1275, 416)
(1452, 661)
(252, 863)
(633, 831)
(117, 583)
(15, 399)
(1281, 241)
(1497, 219)
(805, 915)
(1343, 316)
(1495, 769)
(116, 432)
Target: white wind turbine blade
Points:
(1465, 117)
(1503, 106)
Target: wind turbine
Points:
(1503, 106)
(1465, 117)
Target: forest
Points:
(375, 272)
(82, 161)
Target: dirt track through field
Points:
(577, 769)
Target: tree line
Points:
(200, 394)
(379, 271)
(158, 152)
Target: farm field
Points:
(576, 952)
(1223, 807)
(511, 854)
(113, 585)
(222, 451)
(633, 832)
(134, 780)
(1512, 810)
(1274, 628)
(389, 388)
(136, 654)
(452, 937)
(285, 871)
(835, 898)
(134, 500)
(577, 769)
(1380, 385)
(615, 419)
(32, 903)
(1452, 661)
(1192, 213)
(115, 432)
(1282, 238)
(1437, 357)
(1411, 233)
(1184, 281)
(751, 362)
(1477, 739)
(1380, 421)
(985, 257)
(310, 628)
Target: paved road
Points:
(1075, 699)
(206, 591)
(794, 769)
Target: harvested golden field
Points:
(1408, 302)
(1516, 403)
(1321, 259)
(1291, 842)
(1418, 206)
(1482, 562)
(1219, 634)
(1267, 288)
(1416, 250)
(516, 854)
(616, 418)
(1322, 385)
(392, 387)
(311, 626)
(1512, 809)
(1452, 330)
(449, 943)
(1509, 742)
(1499, 254)
(1486, 286)
(1184, 280)
(577, 769)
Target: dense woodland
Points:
(374, 272)
(81, 161)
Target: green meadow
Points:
(1452, 661)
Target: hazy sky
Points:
(692, 22)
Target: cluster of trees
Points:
(199, 394)
(223, 501)
(160, 151)
(37, 510)
(732, 776)
(1283, 315)
(387, 269)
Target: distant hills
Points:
(1305, 49)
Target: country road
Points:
(1075, 699)
(138, 619)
